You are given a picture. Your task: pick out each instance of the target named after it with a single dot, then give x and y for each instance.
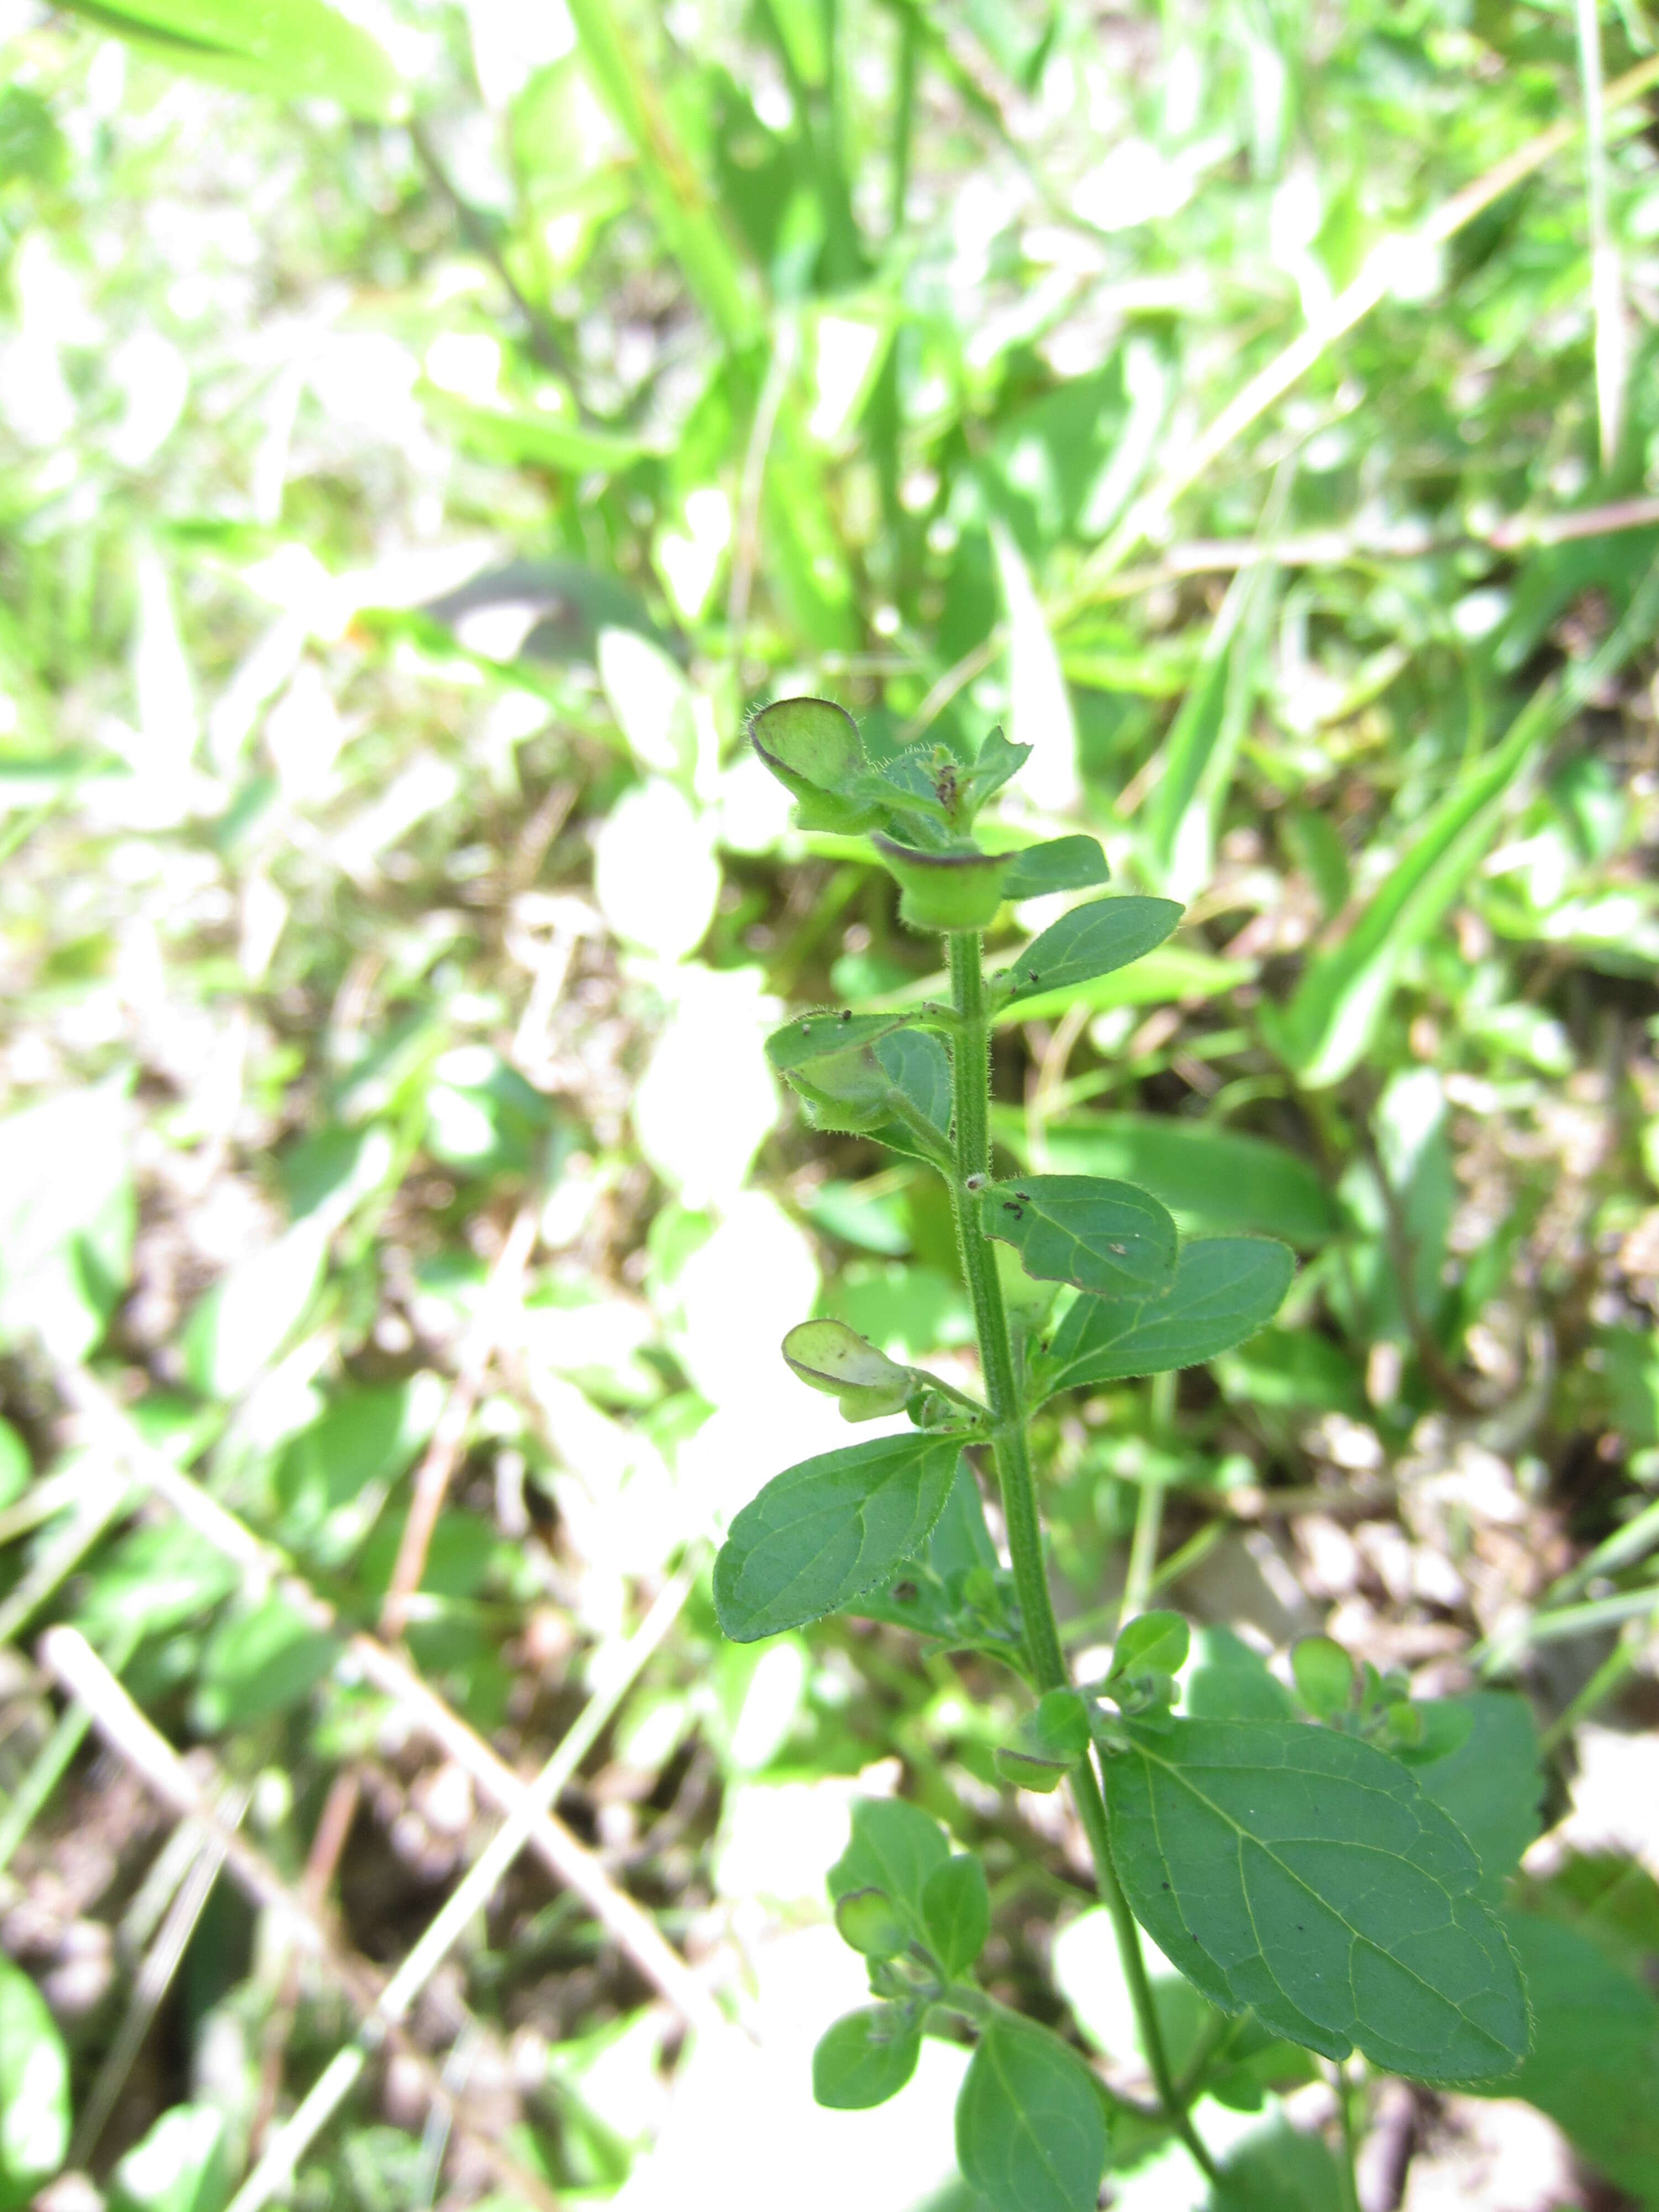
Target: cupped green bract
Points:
(1304, 1873)
(1091, 940)
(813, 748)
(957, 889)
(1108, 1238)
(1031, 2125)
(827, 1356)
(826, 1531)
(864, 2059)
(895, 1848)
(1224, 1289)
(830, 1060)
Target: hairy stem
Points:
(970, 1075)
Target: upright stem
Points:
(971, 1089)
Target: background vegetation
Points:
(416, 453)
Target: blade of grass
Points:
(1334, 1013)
(689, 220)
(1607, 286)
(1351, 306)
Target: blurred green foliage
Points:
(422, 440)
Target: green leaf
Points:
(832, 1060)
(867, 2057)
(691, 227)
(524, 437)
(1039, 704)
(1158, 978)
(260, 1662)
(1153, 1642)
(1305, 1874)
(1329, 1022)
(1108, 1238)
(1228, 1681)
(1183, 815)
(15, 1466)
(995, 763)
(829, 1356)
(245, 1319)
(1214, 1180)
(894, 1848)
(1492, 1785)
(156, 1578)
(1030, 2128)
(1224, 1289)
(289, 49)
(66, 1218)
(1324, 1676)
(956, 1905)
(1594, 2057)
(826, 1531)
(1031, 1770)
(34, 2090)
(1091, 940)
(182, 2165)
(1063, 864)
(919, 1067)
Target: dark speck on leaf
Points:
(1008, 1207)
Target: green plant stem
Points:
(1347, 2093)
(970, 1075)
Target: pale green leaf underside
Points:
(1030, 2133)
(1304, 1873)
(826, 1531)
(1226, 1288)
(1108, 1238)
(1092, 940)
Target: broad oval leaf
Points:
(1224, 1289)
(957, 1908)
(826, 1531)
(1060, 864)
(862, 2060)
(1596, 2057)
(1091, 940)
(34, 2089)
(1305, 1874)
(1108, 1238)
(1493, 1783)
(1030, 2128)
